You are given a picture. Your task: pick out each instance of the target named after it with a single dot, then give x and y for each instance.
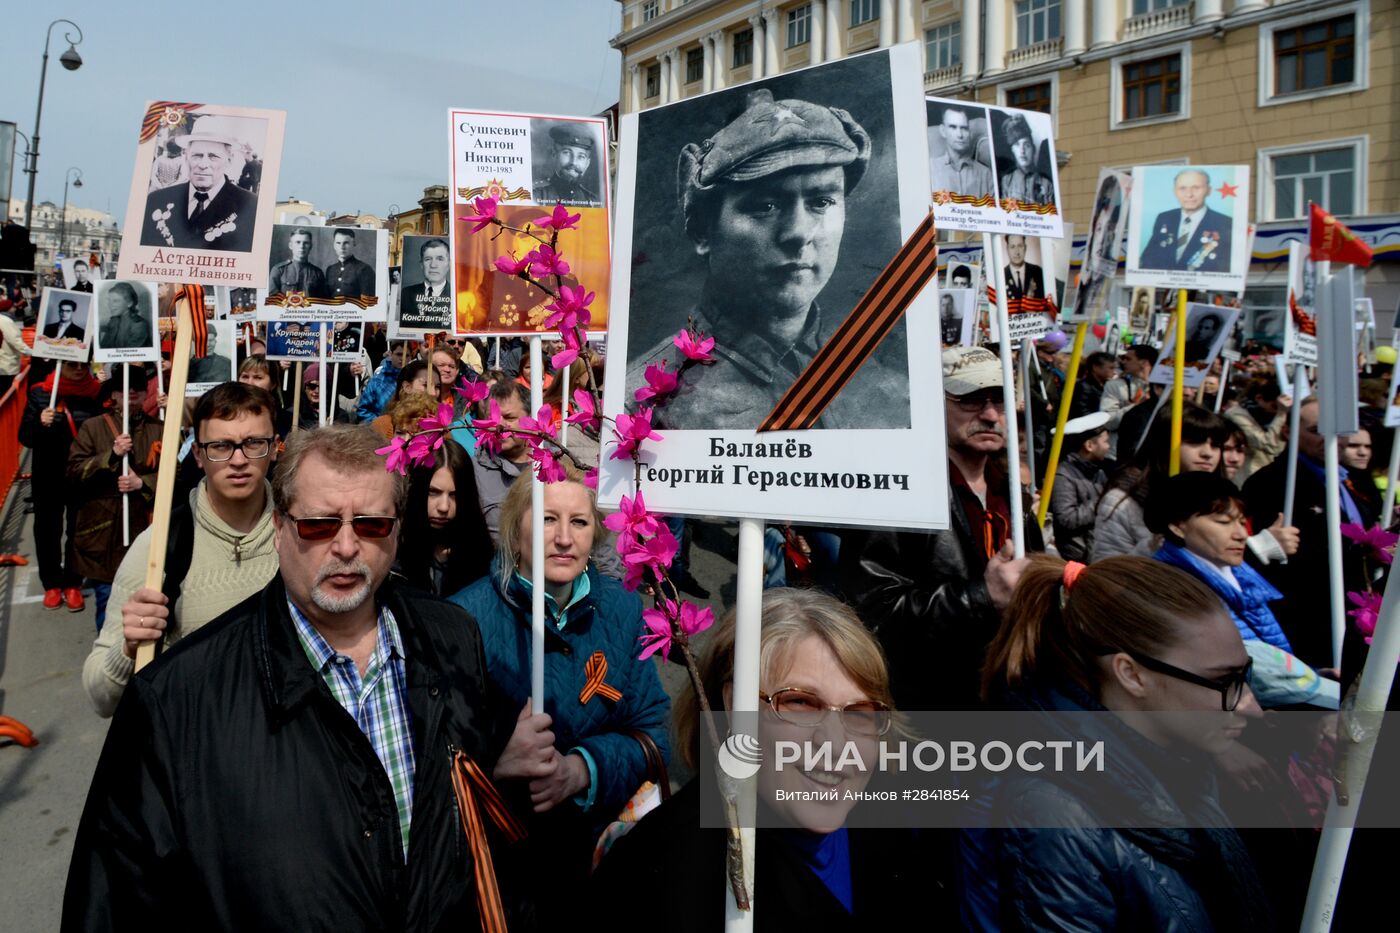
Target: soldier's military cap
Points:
(769, 137)
(1017, 129)
(569, 136)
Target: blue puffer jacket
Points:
(1248, 605)
(608, 619)
(377, 392)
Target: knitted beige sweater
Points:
(227, 568)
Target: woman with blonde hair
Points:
(822, 677)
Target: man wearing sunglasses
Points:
(295, 759)
(936, 597)
(219, 549)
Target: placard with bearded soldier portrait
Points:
(326, 274)
(1189, 227)
(203, 195)
(62, 332)
(758, 217)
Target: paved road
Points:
(41, 655)
(41, 789)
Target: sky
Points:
(366, 85)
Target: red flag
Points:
(1330, 240)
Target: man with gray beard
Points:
(938, 595)
(292, 762)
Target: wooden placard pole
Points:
(1178, 380)
(1061, 417)
(169, 463)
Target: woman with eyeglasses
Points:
(1202, 521)
(569, 768)
(444, 544)
(1123, 638)
(311, 389)
(822, 678)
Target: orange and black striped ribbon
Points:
(475, 793)
(874, 316)
(194, 295)
(593, 673)
(1024, 305)
(155, 113)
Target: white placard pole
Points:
(335, 388)
(748, 635)
(537, 543)
(1224, 381)
(160, 386)
(992, 246)
(1290, 482)
(498, 354)
(1377, 678)
(321, 396)
(53, 393)
(564, 404)
(1027, 354)
(126, 458)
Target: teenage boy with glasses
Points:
(220, 548)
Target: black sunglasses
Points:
(1231, 689)
(324, 528)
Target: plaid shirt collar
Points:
(387, 645)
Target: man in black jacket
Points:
(288, 766)
(934, 598)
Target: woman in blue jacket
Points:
(575, 763)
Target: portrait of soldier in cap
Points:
(763, 203)
(207, 210)
(569, 166)
(1016, 160)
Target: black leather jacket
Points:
(235, 793)
(916, 591)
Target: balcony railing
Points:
(1047, 51)
(943, 77)
(1158, 21)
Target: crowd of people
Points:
(346, 656)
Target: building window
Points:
(1152, 6)
(863, 11)
(799, 22)
(650, 9)
(743, 48)
(1325, 175)
(694, 65)
(944, 46)
(1036, 21)
(1030, 97)
(1315, 55)
(653, 80)
(1152, 88)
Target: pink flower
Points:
(590, 479)
(439, 422)
(631, 431)
(485, 214)
(561, 219)
(585, 415)
(473, 392)
(421, 447)
(570, 309)
(658, 550)
(396, 455)
(1367, 612)
(571, 351)
(657, 636)
(1380, 541)
(512, 266)
(547, 262)
(632, 518)
(549, 468)
(488, 433)
(693, 620)
(659, 382)
(542, 422)
(692, 349)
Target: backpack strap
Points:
(179, 552)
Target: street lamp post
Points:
(70, 60)
(63, 230)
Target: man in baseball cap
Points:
(939, 594)
(208, 211)
(763, 201)
(570, 156)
